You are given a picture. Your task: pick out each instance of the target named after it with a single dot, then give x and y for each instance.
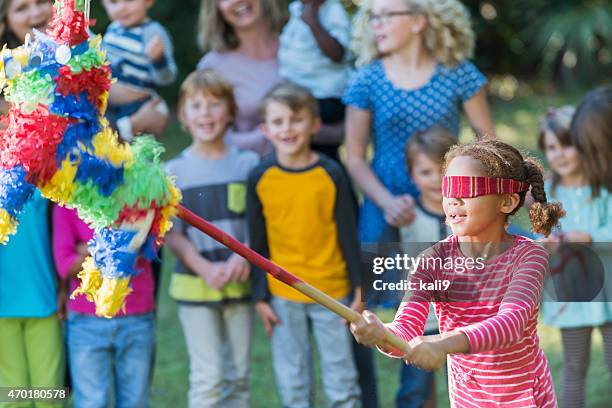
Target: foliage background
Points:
(550, 44)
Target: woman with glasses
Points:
(414, 75)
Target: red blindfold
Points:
(472, 186)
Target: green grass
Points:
(517, 123)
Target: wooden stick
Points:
(280, 273)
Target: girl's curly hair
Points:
(448, 35)
(501, 160)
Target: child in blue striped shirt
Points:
(141, 56)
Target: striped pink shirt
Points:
(497, 307)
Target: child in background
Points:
(103, 353)
(31, 344)
(488, 316)
(301, 215)
(585, 196)
(417, 75)
(140, 54)
(210, 283)
(425, 157)
(313, 53)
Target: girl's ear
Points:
(509, 203)
(419, 24)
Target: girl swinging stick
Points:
(488, 327)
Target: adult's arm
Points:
(328, 45)
(357, 138)
(148, 119)
(398, 210)
(478, 114)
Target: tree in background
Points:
(562, 41)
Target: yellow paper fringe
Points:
(8, 226)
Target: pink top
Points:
(68, 232)
(497, 307)
(252, 80)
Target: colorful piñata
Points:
(57, 140)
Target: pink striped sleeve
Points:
(64, 240)
(409, 323)
(410, 318)
(519, 305)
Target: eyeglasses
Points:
(384, 18)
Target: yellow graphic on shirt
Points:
(236, 197)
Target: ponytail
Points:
(543, 215)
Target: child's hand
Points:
(215, 275)
(149, 120)
(267, 316)
(428, 355)
(310, 11)
(369, 331)
(238, 268)
(399, 210)
(155, 48)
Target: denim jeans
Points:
(105, 353)
(292, 356)
(415, 384)
(414, 387)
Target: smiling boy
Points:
(300, 214)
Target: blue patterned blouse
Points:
(397, 114)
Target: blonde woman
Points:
(414, 75)
(241, 39)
